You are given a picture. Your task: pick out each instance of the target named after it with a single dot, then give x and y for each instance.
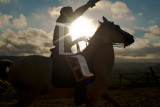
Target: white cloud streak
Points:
(120, 11)
(54, 12)
(25, 42)
(20, 22)
(153, 32)
(5, 20)
(140, 14)
(142, 50)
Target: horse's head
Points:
(112, 33)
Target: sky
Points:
(26, 26)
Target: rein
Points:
(115, 44)
(119, 45)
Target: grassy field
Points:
(135, 97)
(131, 94)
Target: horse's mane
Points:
(92, 47)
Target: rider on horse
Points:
(67, 16)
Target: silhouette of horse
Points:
(33, 74)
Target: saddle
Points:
(66, 72)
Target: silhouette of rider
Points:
(67, 16)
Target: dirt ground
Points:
(137, 97)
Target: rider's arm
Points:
(78, 12)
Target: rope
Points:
(74, 72)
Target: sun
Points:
(82, 27)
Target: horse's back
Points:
(33, 71)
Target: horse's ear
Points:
(104, 19)
(99, 22)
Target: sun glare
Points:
(82, 27)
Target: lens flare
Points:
(82, 27)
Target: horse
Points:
(32, 75)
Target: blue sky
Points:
(26, 26)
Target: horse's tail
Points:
(4, 64)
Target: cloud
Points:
(5, 20)
(120, 11)
(20, 22)
(152, 22)
(25, 42)
(54, 12)
(36, 16)
(72, 3)
(141, 50)
(8, 21)
(130, 31)
(141, 43)
(140, 14)
(145, 58)
(153, 32)
(5, 1)
(157, 44)
(117, 11)
(41, 20)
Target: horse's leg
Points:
(24, 102)
(26, 98)
(94, 92)
(111, 99)
(90, 103)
